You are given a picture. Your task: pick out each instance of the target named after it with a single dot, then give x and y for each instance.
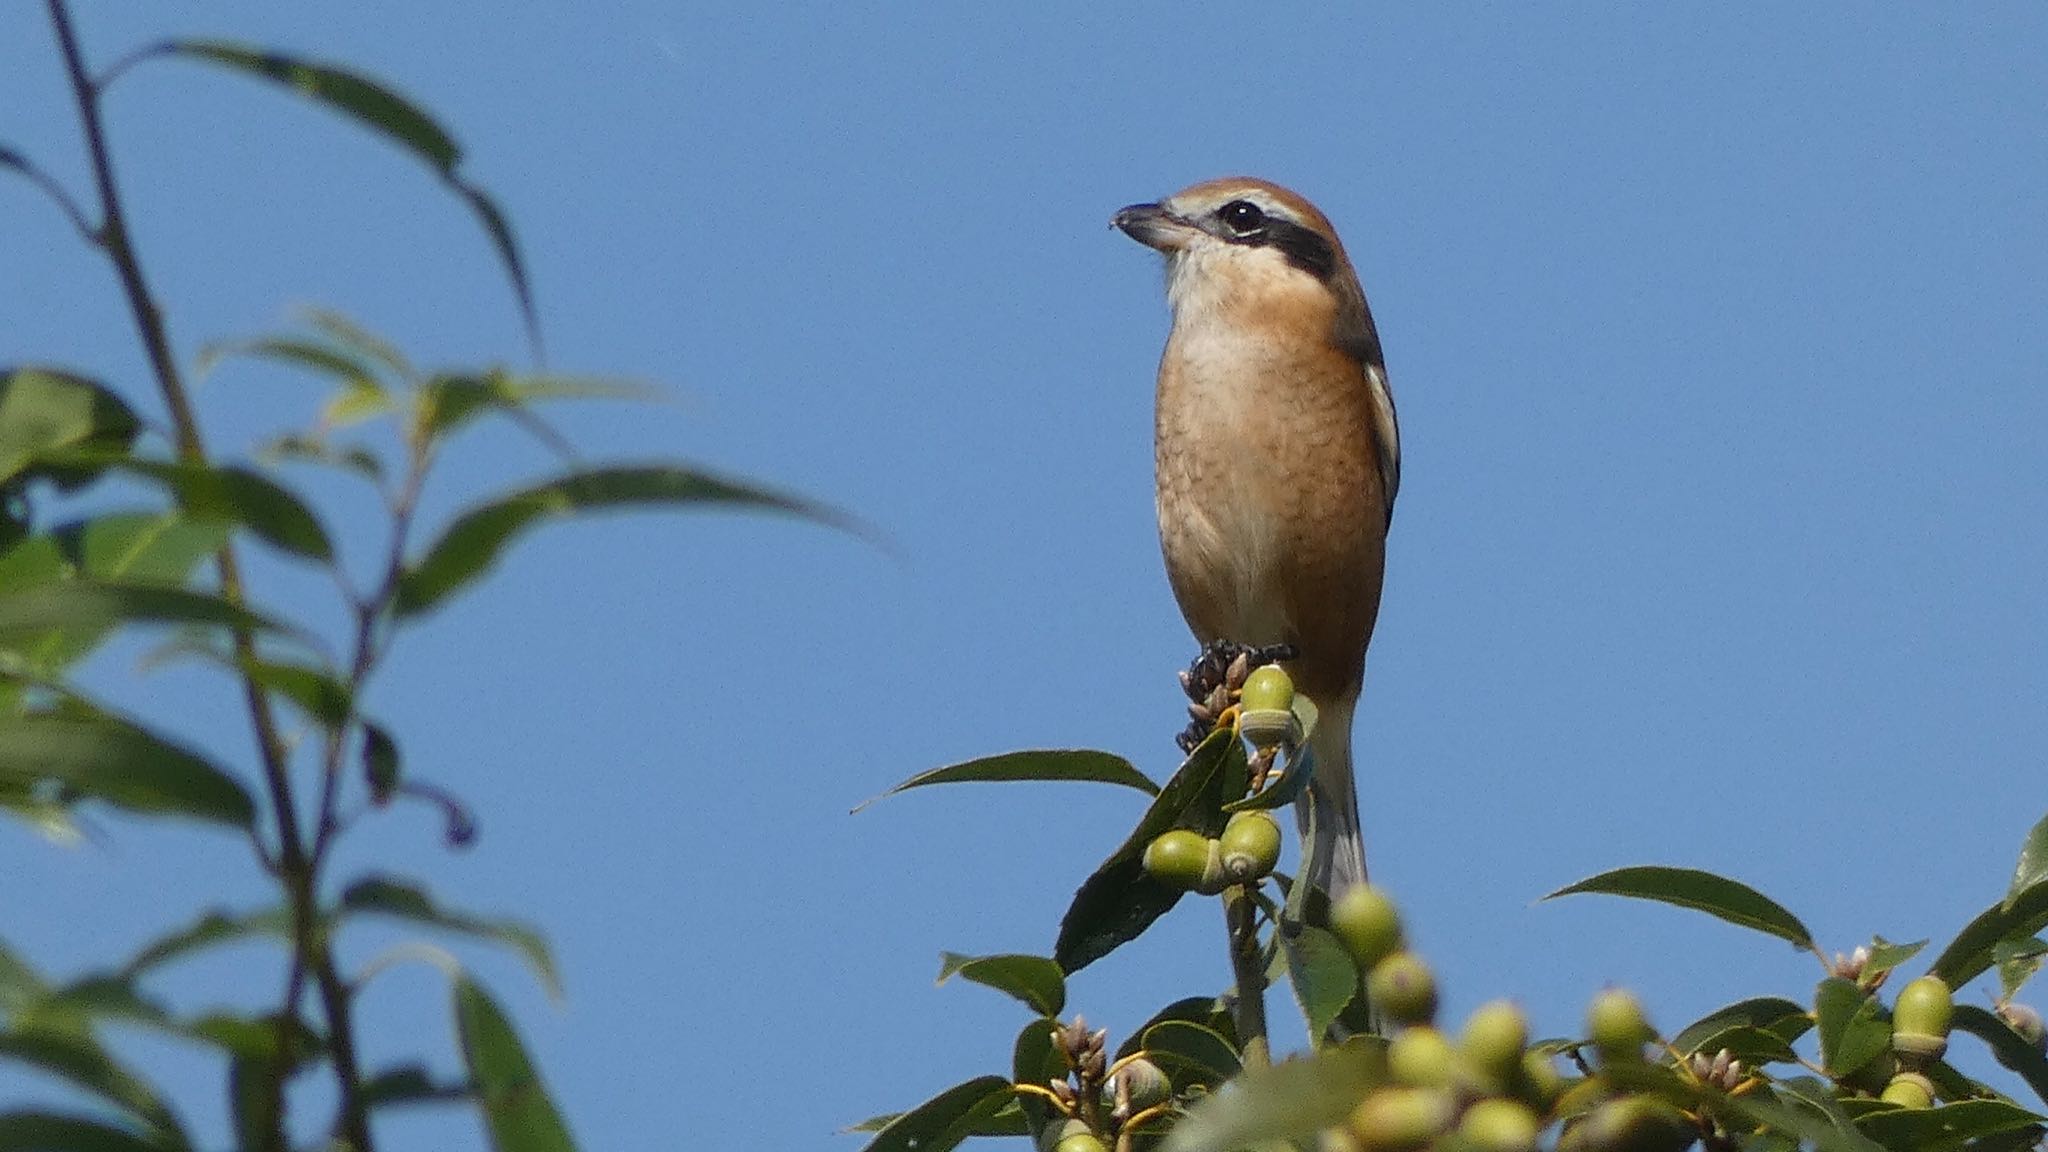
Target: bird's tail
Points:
(1339, 857)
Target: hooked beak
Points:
(1153, 226)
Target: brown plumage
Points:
(1277, 455)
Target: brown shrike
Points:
(1277, 457)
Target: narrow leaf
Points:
(47, 410)
(1323, 976)
(1706, 892)
(212, 929)
(383, 111)
(410, 1084)
(1035, 980)
(1885, 956)
(380, 762)
(1783, 1018)
(1120, 900)
(385, 896)
(28, 1131)
(475, 540)
(1945, 1127)
(2009, 1047)
(110, 760)
(2032, 868)
(1851, 1034)
(78, 1060)
(517, 1111)
(1055, 764)
(87, 606)
(222, 494)
(1973, 951)
(115, 548)
(942, 1122)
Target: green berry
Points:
(1080, 1142)
(1059, 1131)
(1539, 1084)
(1909, 1090)
(1403, 989)
(1367, 924)
(1267, 689)
(1631, 1124)
(1617, 1026)
(1421, 1057)
(1251, 845)
(1495, 1125)
(1177, 858)
(1494, 1037)
(1920, 1019)
(1401, 1119)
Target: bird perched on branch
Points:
(1277, 458)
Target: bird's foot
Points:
(1213, 681)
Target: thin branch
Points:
(54, 190)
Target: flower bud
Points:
(1401, 1119)
(1366, 923)
(2026, 1023)
(1403, 989)
(1144, 1083)
(1250, 845)
(1495, 1125)
(1920, 1019)
(1176, 858)
(1617, 1026)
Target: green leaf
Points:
(20, 986)
(1190, 1053)
(1054, 764)
(1973, 951)
(1719, 896)
(942, 1122)
(79, 1061)
(1289, 1102)
(1885, 956)
(517, 1111)
(86, 606)
(2032, 868)
(214, 928)
(410, 1084)
(452, 400)
(1774, 1014)
(45, 410)
(1208, 1011)
(1120, 900)
(1035, 1059)
(1753, 1046)
(256, 1102)
(113, 761)
(384, 896)
(380, 762)
(2008, 1046)
(1035, 980)
(1803, 1107)
(340, 365)
(1851, 1032)
(383, 111)
(223, 494)
(1323, 975)
(1946, 1126)
(474, 541)
(28, 1131)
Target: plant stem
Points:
(293, 865)
(1241, 918)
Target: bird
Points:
(1277, 457)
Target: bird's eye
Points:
(1242, 217)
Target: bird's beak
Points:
(1153, 226)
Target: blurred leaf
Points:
(308, 450)
(1057, 764)
(1291, 1101)
(1775, 1014)
(1035, 980)
(1972, 952)
(380, 762)
(451, 401)
(1945, 1126)
(45, 410)
(1208, 1011)
(342, 366)
(2032, 868)
(1719, 896)
(355, 403)
(1190, 1053)
(1885, 955)
(2018, 961)
(20, 986)
(1323, 975)
(259, 1038)
(222, 494)
(385, 896)
(359, 341)
(1851, 1033)
(516, 1109)
(255, 1103)
(942, 1122)
(385, 112)
(410, 1084)
(1803, 1107)
(473, 542)
(213, 928)
(2009, 1047)
(79, 1061)
(110, 760)
(26, 1131)
(86, 606)
(1120, 900)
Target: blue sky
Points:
(1718, 346)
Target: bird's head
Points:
(1240, 242)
